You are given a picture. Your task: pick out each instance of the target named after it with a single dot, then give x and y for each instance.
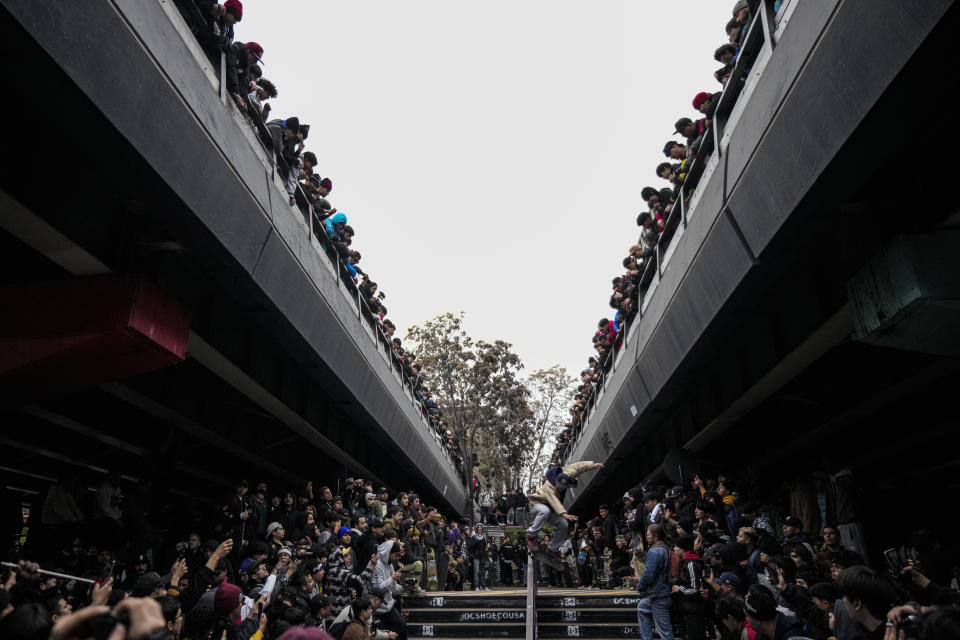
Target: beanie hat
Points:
(769, 546)
(235, 7)
(226, 598)
(273, 526)
(327, 184)
(343, 531)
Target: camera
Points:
(182, 550)
(910, 626)
(410, 582)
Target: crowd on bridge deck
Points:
(249, 91)
(653, 221)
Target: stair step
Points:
(598, 615)
(517, 630)
(495, 599)
(584, 615)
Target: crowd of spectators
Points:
(654, 221)
(709, 561)
(305, 187)
(263, 562)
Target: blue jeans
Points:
(479, 579)
(655, 611)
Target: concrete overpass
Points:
(806, 305)
(134, 190)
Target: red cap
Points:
(235, 7)
(700, 98)
(255, 50)
(226, 598)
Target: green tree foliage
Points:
(484, 401)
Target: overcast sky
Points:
(490, 155)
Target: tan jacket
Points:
(547, 493)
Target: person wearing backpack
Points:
(359, 627)
(338, 627)
(654, 607)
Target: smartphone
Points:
(893, 561)
(107, 572)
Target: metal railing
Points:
(760, 34)
(530, 631)
(318, 238)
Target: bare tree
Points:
(551, 393)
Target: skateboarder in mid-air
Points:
(546, 506)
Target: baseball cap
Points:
(375, 522)
(147, 584)
(792, 521)
(255, 50)
(681, 123)
(369, 495)
(728, 577)
(273, 526)
(700, 98)
(669, 144)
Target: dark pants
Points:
(442, 562)
(506, 574)
(393, 621)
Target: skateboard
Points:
(544, 557)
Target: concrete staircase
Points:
(502, 614)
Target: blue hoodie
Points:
(330, 225)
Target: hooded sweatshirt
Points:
(330, 225)
(381, 577)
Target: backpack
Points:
(337, 629)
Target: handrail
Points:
(197, 23)
(531, 621)
(759, 35)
